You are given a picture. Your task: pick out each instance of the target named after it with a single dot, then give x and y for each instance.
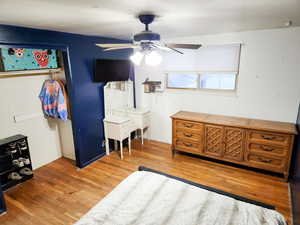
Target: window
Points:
(211, 67)
(217, 81)
(201, 81)
(182, 80)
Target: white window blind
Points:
(212, 59)
(221, 58)
(173, 61)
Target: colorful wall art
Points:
(15, 59)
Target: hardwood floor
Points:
(61, 193)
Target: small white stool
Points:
(118, 128)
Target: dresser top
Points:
(139, 111)
(266, 125)
(116, 119)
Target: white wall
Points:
(19, 96)
(49, 139)
(66, 132)
(66, 139)
(268, 82)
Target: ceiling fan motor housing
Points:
(146, 18)
(146, 36)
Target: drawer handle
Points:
(188, 144)
(188, 125)
(187, 135)
(267, 149)
(268, 137)
(265, 160)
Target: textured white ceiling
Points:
(116, 18)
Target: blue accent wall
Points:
(86, 96)
(87, 106)
(295, 178)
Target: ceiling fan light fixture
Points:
(137, 58)
(145, 42)
(153, 58)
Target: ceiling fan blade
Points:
(118, 48)
(113, 45)
(176, 50)
(166, 48)
(161, 47)
(188, 46)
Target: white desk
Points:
(118, 128)
(139, 116)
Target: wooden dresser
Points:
(259, 144)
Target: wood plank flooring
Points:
(61, 193)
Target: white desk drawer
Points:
(141, 121)
(118, 131)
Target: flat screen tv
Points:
(111, 70)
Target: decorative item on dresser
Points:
(258, 144)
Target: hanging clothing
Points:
(53, 100)
(63, 85)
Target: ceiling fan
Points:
(146, 44)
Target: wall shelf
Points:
(25, 73)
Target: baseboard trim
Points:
(154, 140)
(82, 165)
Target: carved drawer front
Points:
(189, 134)
(189, 125)
(268, 149)
(270, 138)
(234, 143)
(214, 142)
(266, 162)
(187, 145)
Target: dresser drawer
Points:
(188, 134)
(268, 149)
(266, 162)
(189, 125)
(187, 145)
(269, 138)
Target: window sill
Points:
(203, 91)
